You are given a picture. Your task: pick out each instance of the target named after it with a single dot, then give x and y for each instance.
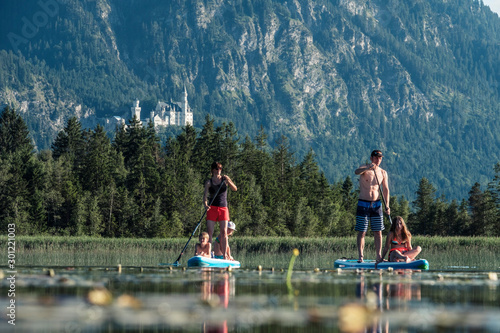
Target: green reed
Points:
(442, 252)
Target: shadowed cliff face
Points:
(342, 77)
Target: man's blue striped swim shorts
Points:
(369, 211)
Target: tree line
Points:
(131, 185)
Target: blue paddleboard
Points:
(370, 264)
(199, 261)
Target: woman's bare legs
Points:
(413, 253)
(398, 256)
(223, 236)
(408, 256)
(210, 230)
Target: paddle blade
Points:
(173, 264)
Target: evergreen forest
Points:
(134, 186)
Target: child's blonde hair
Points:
(203, 235)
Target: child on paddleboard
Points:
(203, 248)
(399, 242)
(231, 228)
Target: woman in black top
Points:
(218, 211)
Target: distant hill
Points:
(417, 79)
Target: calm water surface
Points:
(165, 299)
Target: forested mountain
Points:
(133, 186)
(418, 79)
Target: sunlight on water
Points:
(98, 299)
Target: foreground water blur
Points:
(175, 299)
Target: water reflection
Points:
(401, 293)
(380, 300)
(101, 299)
(370, 293)
(216, 291)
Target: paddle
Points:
(382, 194)
(176, 263)
(385, 204)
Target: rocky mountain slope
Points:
(417, 79)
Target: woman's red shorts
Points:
(216, 214)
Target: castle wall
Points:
(172, 114)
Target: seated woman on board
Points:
(231, 228)
(399, 242)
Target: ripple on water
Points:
(149, 298)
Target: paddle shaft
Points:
(382, 194)
(202, 216)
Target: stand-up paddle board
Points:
(370, 264)
(199, 261)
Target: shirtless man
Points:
(369, 204)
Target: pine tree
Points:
(464, 221)
(483, 212)
(228, 146)
(97, 162)
(102, 168)
(315, 188)
(70, 141)
(439, 224)
(348, 195)
(94, 224)
(21, 197)
(207, 148)
(305, 222)
(120, 140)
(476, 206)
(6, 198)
(285, 170)
(422, 221)
(14, 134)
(400, 207)
(494, 189)
(451, 219)
(182, 186)
(187, 143)
(37, 180)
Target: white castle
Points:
(167, 114)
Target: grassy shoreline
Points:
(442, 252)
(244, 244)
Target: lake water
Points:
(175, 299)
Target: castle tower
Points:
(136, 110)
(172, 115)
(187, 115)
